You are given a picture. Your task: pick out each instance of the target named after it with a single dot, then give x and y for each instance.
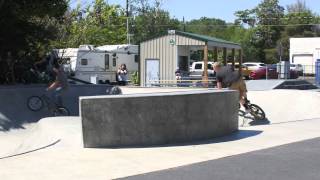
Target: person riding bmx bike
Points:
(229, 78)
(60, 84)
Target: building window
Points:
(106, 61)
(136, 58)
(84, 62)
(114, 62)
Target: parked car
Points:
(260, 73)
(245, 70)
(254, 65)
(297, 67)
(197, 69)
(272, 73)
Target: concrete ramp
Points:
(287, 105)
(54, 132)
(263, 85)
(13, 103)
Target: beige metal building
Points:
(161, 57)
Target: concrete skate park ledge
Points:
(13, 102)
(157, 119)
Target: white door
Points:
(307, 63)
(152, 72)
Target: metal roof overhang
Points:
(223, 45)
(211, 41)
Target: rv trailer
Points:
(98, 65)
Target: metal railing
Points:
(182, 83)
(269, 72)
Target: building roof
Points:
(210, 41)
(205, 38)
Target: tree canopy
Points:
(29, 29)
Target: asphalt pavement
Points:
(296, 161)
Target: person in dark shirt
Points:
(229, 78)
(60, 85)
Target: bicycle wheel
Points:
(241, 113)
(61, 111)
(257, 112)
(35, 103)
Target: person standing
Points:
(122, 74)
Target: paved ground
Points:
(294, 161)
(52, 148)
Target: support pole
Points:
(205, 65)
(240, 61)
(225, 56)
(127, 13)
(215, 54)
(233, 57)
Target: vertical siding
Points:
(160, 48)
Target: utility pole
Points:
(127, 11)
(184, 25)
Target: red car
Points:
(272, 73)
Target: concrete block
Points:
(157, 119)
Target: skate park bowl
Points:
(157, 119)
(13, 103)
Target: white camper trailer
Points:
(305, 51)
(68, 58)
(100, 64)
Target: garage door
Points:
(307, 61)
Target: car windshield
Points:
(198, 66)
(262, 64)
(292, 65)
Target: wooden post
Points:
(215, 54)
(240, 61)
(225, 56)
(233, 57)
(205, 64)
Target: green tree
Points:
(27, 27)
(266, 22)
(299, 22)
(98, 23)
(150, 20)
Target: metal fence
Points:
(268, 72)
(281, 71)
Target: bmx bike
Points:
(36, 103)
(254, 110)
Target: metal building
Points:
(305, 51)
(160, 57)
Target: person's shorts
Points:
(240, 86)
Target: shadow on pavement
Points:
(252, 121)
(259, 122)
(6, 124)
(240, 134)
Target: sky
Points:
(222, 9)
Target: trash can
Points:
(317, 66)
(283, 69)
(94, 79)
